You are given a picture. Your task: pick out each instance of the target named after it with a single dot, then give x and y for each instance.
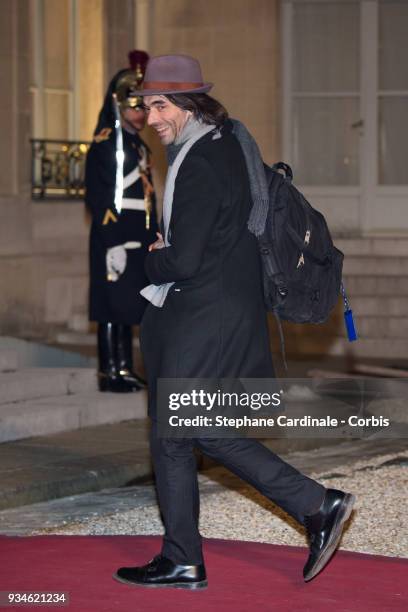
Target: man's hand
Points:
(159, 244)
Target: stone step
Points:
(33, 383)
(382, 306)
(79, 322)
(375, 266)
(307, 344)
(369, 306)
(385, 247)
(382, 327)
(77, 338)
(48, 415)
(376, 285)
(8, 360)
(65, 464)
(367, 327)
(18, 354)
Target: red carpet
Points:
(242, 576)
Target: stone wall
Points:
(237, 43)
(119, 35)
(15, 205)
(91, 77)
(43, 246)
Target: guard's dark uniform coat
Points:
(119, 301)
(213, 322)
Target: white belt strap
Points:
(131, 178)
(132, 244)
(133, 204)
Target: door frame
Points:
(367, 199)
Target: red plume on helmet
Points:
(138, 60)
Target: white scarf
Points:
(156, 294)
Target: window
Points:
(53, 69)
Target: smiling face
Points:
(165, 117)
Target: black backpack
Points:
(302, 269)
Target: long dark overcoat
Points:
(213, 322)
(119, 301)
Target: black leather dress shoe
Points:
(162, 572)
(325, 528)
(132, 380)
(113, 383)
(124, 358)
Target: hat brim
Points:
(161, 92)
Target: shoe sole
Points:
(192, 586)
(343, 515)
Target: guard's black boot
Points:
(162, 572)
(325, 528)
(109, 378)
(124, 361)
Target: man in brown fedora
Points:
(206, 319)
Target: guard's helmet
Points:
(129, 82)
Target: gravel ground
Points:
(378, 524)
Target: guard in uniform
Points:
(120, 198)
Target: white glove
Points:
(116, 258)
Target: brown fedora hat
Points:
(173, 74)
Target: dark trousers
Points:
(175, 469)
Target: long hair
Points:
(204, 107)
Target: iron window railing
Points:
(58, 169)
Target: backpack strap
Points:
(266, 248)
(270, 266)
(268, 257)
(286, 168)
(282, 339)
